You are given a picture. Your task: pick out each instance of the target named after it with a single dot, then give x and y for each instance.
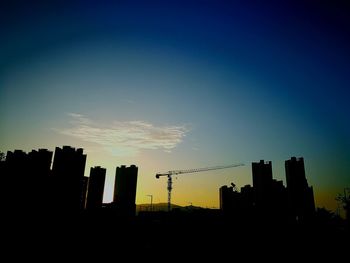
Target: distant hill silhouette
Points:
(164, 207)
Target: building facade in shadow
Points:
(95, 188)
(125, 184)
(270, 195)
(262, 185)
(264, 202)
(25, 180)
(40, 169)
(230, 199)
(301, 204)
(68, 179)
(235, 204)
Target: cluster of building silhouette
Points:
(35, 186)
(42, 192)
(268, 199)
(42, 182)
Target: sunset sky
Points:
(171, 85)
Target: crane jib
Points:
(197, 170)
(175, 172)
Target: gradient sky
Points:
(174, 85)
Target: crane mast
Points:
(175, 172)
(170, 187)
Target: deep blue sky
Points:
(203, 82)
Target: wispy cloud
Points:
(125, 137)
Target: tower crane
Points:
(176, 172)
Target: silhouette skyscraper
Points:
(40, 162)
(229, 199)
(27, 176)
(68, 178)
(39, 166)
(262, 184)
(300, 195)
(16, 180)
(125, 189)
(234, 203)
(96, 187)
(270, 199)
(247, 195)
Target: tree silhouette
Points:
(2, 156)
(344, 199)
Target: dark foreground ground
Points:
(163, 237)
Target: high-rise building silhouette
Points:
(238, 205)
(39, 171)
(26, 176)
(125, 189)
(262, 184)
(40, 162)
(68, 178)
(96, 187)
(270, 199)
(247, 193)
(229, 199)
(279, 202)
(17, 180)
(300, 195)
